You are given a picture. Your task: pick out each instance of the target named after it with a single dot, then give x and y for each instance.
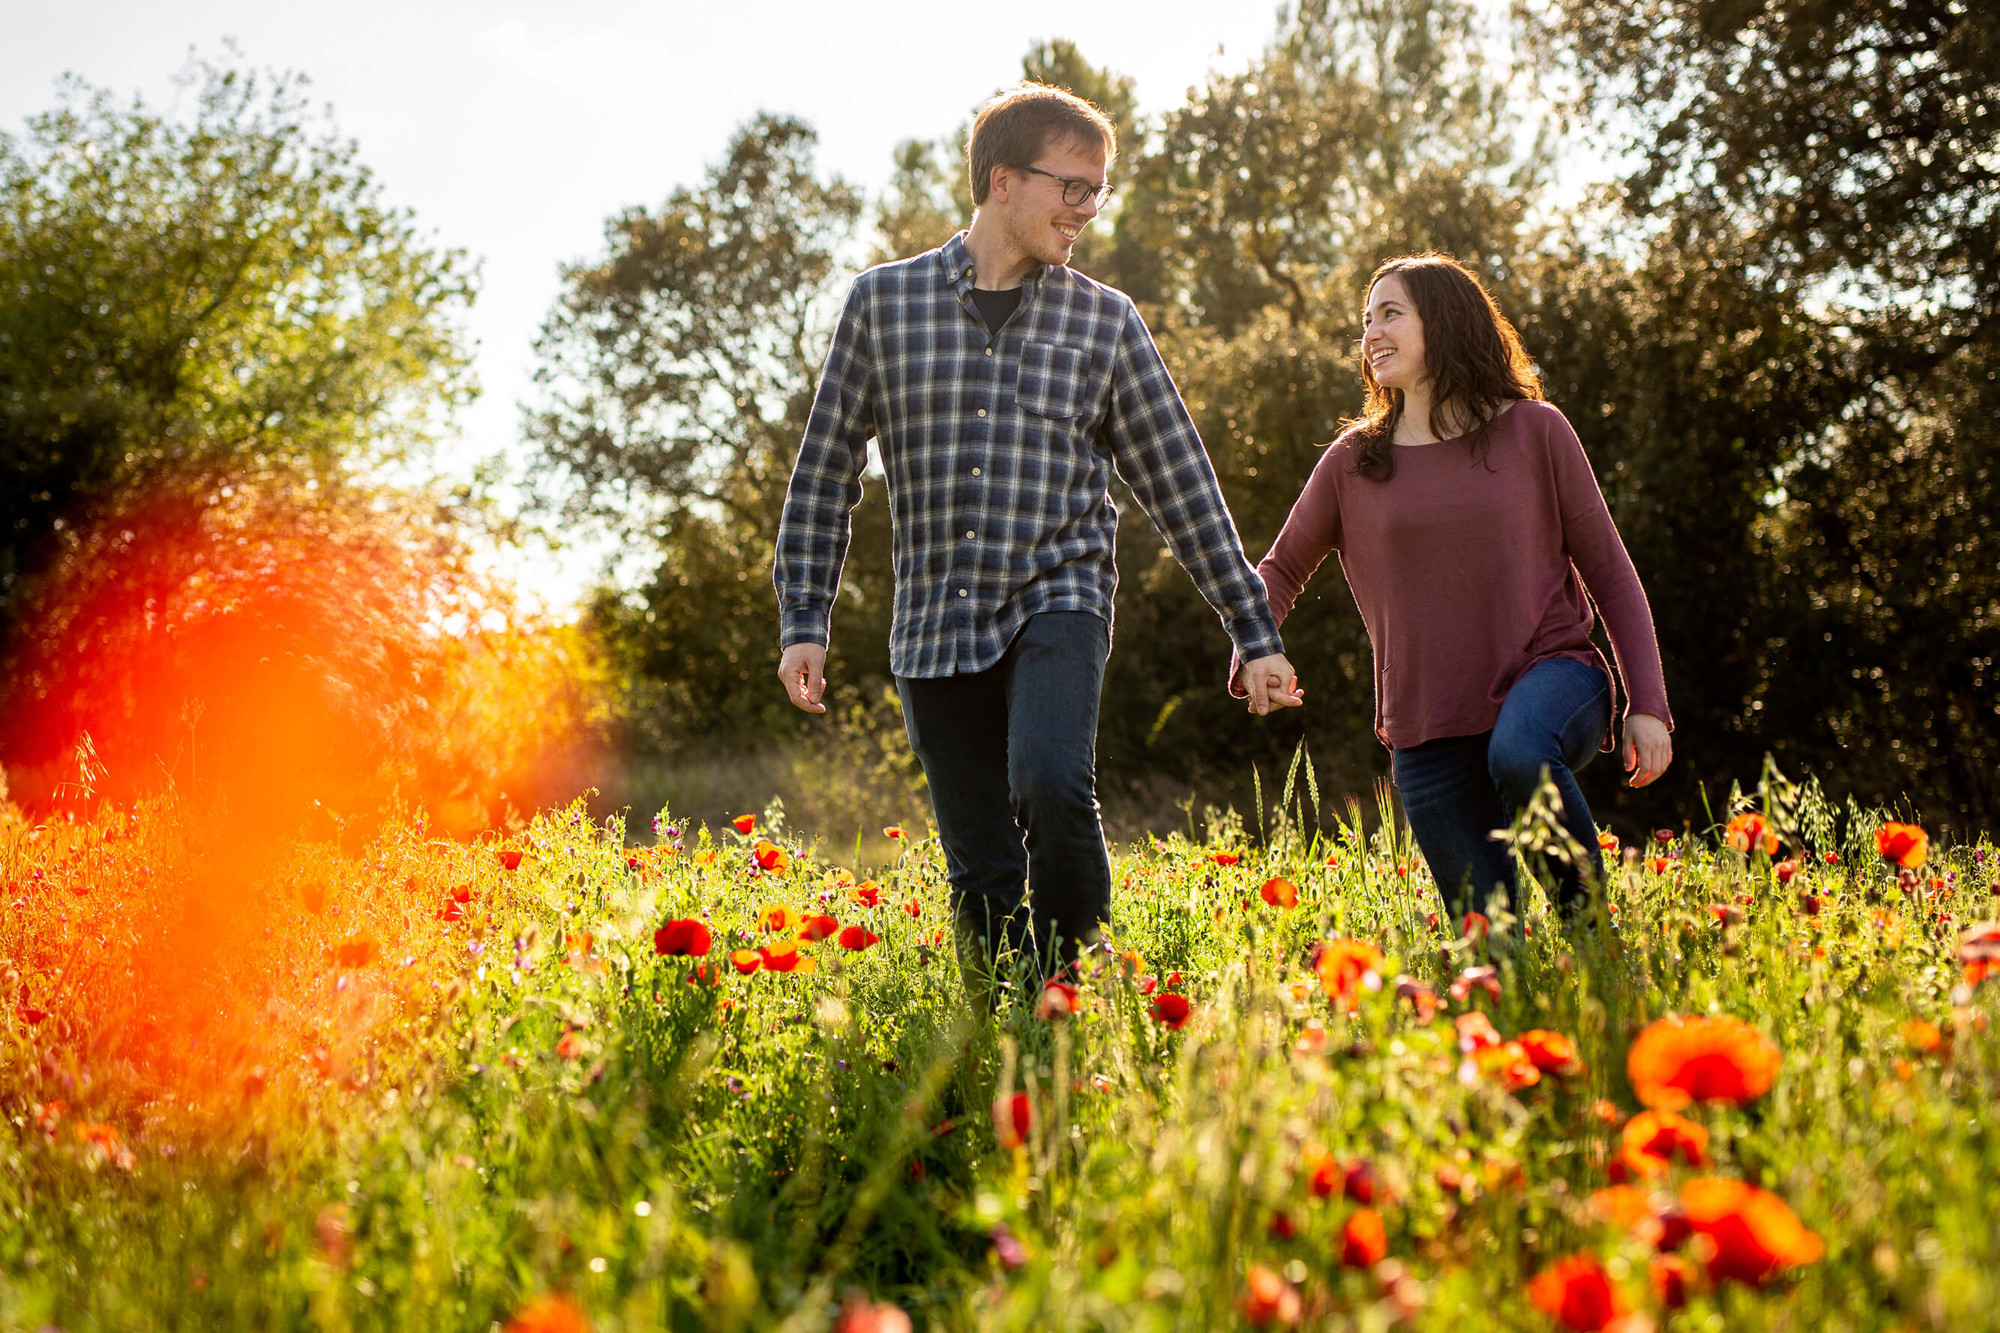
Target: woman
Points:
(1469, 525)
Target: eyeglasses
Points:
(1074, 191)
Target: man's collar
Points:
(958, 268)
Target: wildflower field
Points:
(728, 1079)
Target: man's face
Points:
(1037, 219)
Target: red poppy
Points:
(857, 938)
(1268, 1298)
(1979, 951)
(782, 956)
(1671, 1277)
(914, 907)
(1058, 999)
(1785, 871)
(816, 928)
(744, 824)
(1550, 1051)
(1171, 1009)
(1677, 1060)
(1363, 1240)
(1751, 832)
(1013, 1119)
(1578, 1294)
(1508, 1062)
(1225, 858)
(684, 936)
(1322, 1171)
(746, 961)
(570, 1045)
(1475, 927)
(1476, 1032)
(550, 1314)
(1282, 1227)
(1358, 1181)
(866, 894)
(1652, 1139)
(1752, 1232)
(770, 857)
(1346, 967)
(894, 831)
(30, 1016)
(1607, 840)
(860, 1315)
(355, 951)
(1475, 978)
(1280, 892)
(1906, 845)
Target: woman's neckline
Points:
(1505, 408)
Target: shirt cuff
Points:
(802, 625)
(1256, 637)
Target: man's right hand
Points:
(803, 669)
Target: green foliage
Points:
(520, 1096)
(190, 301)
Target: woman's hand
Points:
(1270, 683)
(1647, 748)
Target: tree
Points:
(1843, 161)
(195, 304)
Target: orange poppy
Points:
(1751, 832)
(570, 1045)
(1625, 1206)
(1679, 1059)
(1652, 1139)
(683, 936)
(1346, 967)
(1922, 1035)
(1280, 892)
(1476, 1032)
(857, 938)
(1322, 1171)
(1363, 1240)
(1578, 1294)
(770, 857)
(1058, 1000)
(866, 894)
(1905, 844)
(355, 951)
(1752, 1232)
(1607, 840)
(744, 824)
(1131, 963)
(1550, 1051)
(1172, 1010)
(1013, 1119)
(777, 918)
(1979, 951)
(1268, 1298)
(816, 928)
(746, 961)
(783, 956)
(1661, 864)
(103, 1136)
(550, 1314)
(1509, 1062)
(894, 831)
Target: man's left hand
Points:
(1271, 683)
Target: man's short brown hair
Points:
(1016, 127)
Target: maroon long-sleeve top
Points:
(1467, 573)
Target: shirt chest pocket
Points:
(1056, 381)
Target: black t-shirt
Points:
(995, 307)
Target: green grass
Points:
(481, 1114)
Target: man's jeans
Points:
(1456, 791)
(1010, 754)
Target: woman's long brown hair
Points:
(1472, 355)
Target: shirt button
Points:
(982, 411)
(961, 592)
(975, 472)
(968, 534)
(989, 351)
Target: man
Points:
(1002, 388)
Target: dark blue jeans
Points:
(1459, 789)
(1010, 754)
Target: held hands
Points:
(1646, 750)
(1271, 683)
(803, 669)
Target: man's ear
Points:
(999, 182)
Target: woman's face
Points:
(1392, 336)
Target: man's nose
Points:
(1090, 205)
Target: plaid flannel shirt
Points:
(998, 451)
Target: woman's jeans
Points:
(1010, 755)
(1456, 791)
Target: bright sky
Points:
(513, 131)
